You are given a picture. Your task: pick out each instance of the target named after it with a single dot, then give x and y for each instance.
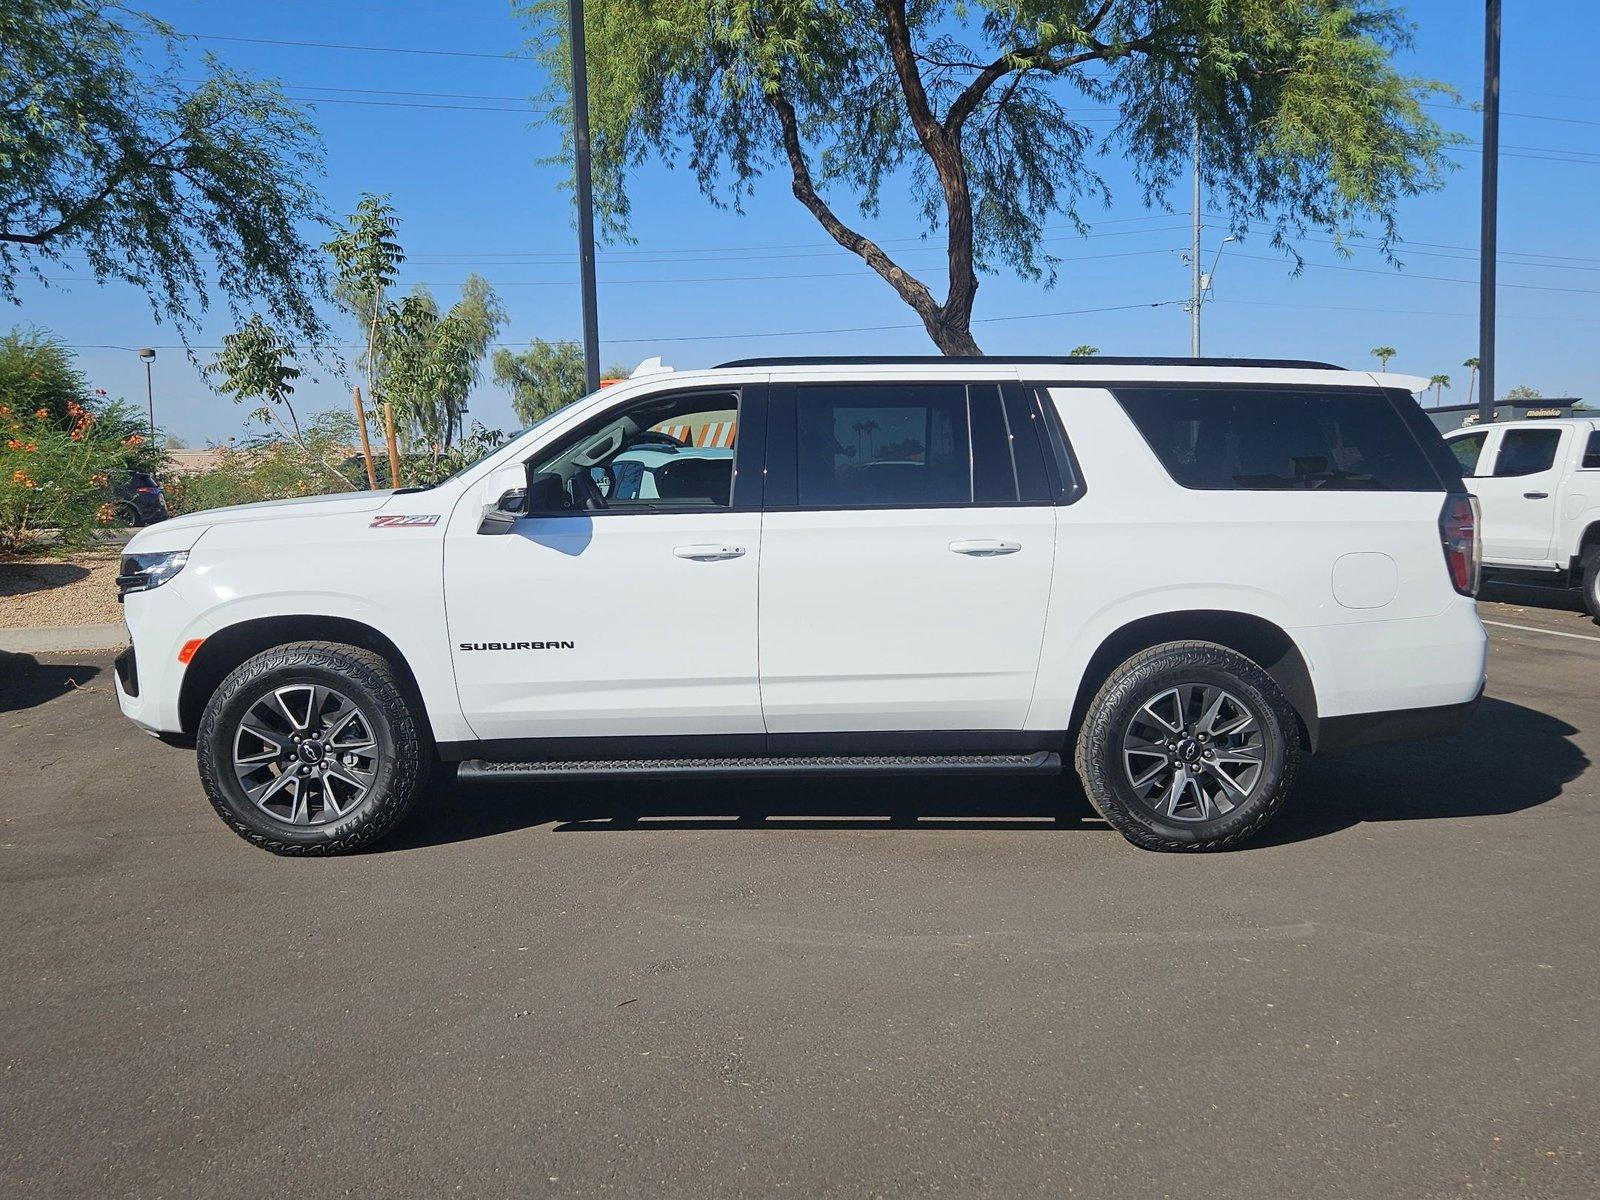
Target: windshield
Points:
(465, 467)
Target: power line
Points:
(1526, 287)
(1399, 312)
(258, 41)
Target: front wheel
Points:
(312, 748)
(1188, 746)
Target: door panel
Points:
(619, 633)
(878, 620)
(1517, 493)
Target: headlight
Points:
(141, 572)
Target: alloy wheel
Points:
(305, 754)
(1194, 752)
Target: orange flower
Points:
(19, 476)
(28, 483)
(77, 435)
(98, 480)
(134, 439)
(33, 447)
(105, 514)
(5, 410)
(41, 413)
(13, 444)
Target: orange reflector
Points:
(189, 649)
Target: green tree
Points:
(545, 377)
(432, 360)
(1438, 383)
(184, 189)
(367, 256)
(1523, 392)
(257, 364)
(971, 105)
(1383, 354)
(1085, 351)
(1472, 365)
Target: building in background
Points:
(1454, 416)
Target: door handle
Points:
(710, 552)
(984, 547)
(1536, 495)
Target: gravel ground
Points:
(79, 590)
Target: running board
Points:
(1043, 762)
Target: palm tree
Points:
(1383, 354)
(1472, 380)
(871, 427)
(1438, 383)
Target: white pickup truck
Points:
(1177, 575)
(1538, 489)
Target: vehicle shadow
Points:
(25, 682)
(1561, 599)
(1508, 759)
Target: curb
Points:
(51, 638)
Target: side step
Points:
(1043, 762)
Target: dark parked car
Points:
(138, 498)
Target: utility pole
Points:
(1488, 239)
(148, 356)
(580, 145)
(1194, 253)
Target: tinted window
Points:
(1591, 451)
(863, 446)
(1027, 444)
(994, 479)
(1272, 439)
(1466, 448)
(1526, 451)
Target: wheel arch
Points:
(1266, 644)
(227, 648)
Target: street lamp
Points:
(148, 356)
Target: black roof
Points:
(892, 360)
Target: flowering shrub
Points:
(54, 478)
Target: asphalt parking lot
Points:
(911, 988)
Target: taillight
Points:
(1458, 533)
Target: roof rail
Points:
(808, 360)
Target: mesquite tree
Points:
(187, 188)
(974, 109)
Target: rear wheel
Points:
(128, 516)
(1591, 581)
(1188, 746)
(312, 748)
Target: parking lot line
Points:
(1582, 637)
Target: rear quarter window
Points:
(1281, 439)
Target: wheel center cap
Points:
(1189, 750)
(311, 752)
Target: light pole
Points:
(148, 356)
(1488, 239)
(585, 189)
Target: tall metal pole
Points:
(580, 144)
(1194, 254)
(1488, 239)
(148, 356)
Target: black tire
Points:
(404, 757)
(128, 516)
(1154, 672)
(1590, 571)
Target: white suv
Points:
(1538, 483)
(1182, 574)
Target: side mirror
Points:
(504, 500)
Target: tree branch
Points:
(909, 288)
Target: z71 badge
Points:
(395, 521)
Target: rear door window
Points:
(1591, 451)
(1280, 439)
(1526, 452)
(902, 445)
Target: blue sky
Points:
(704, 284)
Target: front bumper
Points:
(1406, 724)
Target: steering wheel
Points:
(586, 493)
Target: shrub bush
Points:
(54, 479)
